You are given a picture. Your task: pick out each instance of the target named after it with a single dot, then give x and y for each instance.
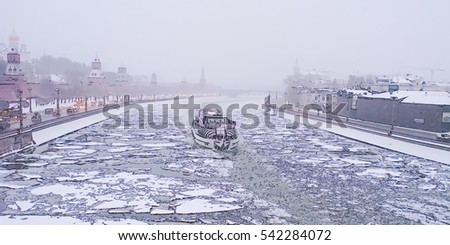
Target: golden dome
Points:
(13, 36)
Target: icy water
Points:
(277, 176)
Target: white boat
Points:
(212, 130)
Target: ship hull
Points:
(215, 144)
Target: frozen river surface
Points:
(278, 176)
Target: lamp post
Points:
(57, 103)
(31, 109)
(19, 94)
(393, 101)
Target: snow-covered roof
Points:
(56, 78)
(358, 91)
(418, 97)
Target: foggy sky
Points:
(240, 43)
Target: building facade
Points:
(14, 43)
(96, 75)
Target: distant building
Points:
(122, 75)
(203, 79)
(154, 80)
(96, 76)
(13, 72)
(184, 82)
(423, 110)
(14, 43)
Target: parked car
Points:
(71, 110)
(443, 136)
(48, 111)
(36, 118)
(3, 124)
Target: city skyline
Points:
(245, 44)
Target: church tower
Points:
(154, 79)
(296, 72)
(13, 41)
(13, 71)
(122, 75)
(203, 79)
(96, 75)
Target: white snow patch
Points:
(24, 205)
(278, 212)
(50, 157)
(120, 222)
(68, 147)
(122, 149)
(379, 172)
(4, 173)
(30, 176)
(203, 206)
(199, 192)
(90, 143)
(355, 161)
(40, 220)
(112, 204)
(12, 186)
(86, 151)
(160, 145)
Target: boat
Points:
(212, 130)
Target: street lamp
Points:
(57, 103)
(85, 103)
(31, 109)
(19, 94)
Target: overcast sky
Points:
(240, 43)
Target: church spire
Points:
(296, 72)
(202, 78)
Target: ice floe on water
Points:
(200, 205)
(160, 145)
(379, 173)
(327, 169)
(24, 205)
(278, 176)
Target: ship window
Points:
(446, 117)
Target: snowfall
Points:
(138, 175)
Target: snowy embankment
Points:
(42, 136)
(387, 142)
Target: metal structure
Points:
(31, 107)
(58, 112)
(19, 94)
